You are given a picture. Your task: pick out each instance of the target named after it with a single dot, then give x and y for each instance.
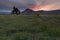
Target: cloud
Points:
(23, 4)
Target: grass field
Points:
(13, 27)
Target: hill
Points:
(53, 12)
(42, 12)
(16, 27)
(28, 11)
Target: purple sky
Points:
(34, 4)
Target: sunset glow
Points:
(36, 8)
(42, 7)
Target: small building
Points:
(15, 11)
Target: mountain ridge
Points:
(41, 12)
(53, 12)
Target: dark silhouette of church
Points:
(15, 11)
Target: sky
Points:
(7, 5)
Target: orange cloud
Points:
(42, 7)
(36, 8)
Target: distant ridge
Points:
(42, 12)
(4, 12)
